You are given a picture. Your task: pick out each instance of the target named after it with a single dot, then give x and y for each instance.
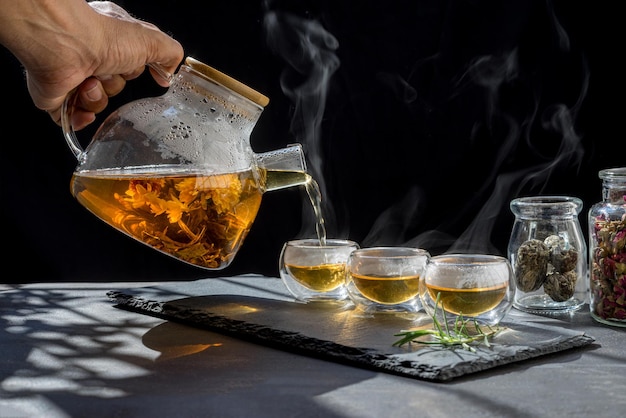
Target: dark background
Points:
(421, 120)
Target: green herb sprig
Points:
(444, 335)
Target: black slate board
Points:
(338, 334)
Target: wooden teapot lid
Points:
(228, 82)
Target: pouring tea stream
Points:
(177, 173)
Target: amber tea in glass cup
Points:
(315, 272)
(474, 286)
(386, 279)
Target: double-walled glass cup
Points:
(314, 272)
(474, 286)
(386, 279)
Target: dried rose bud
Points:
(531, 265)
(560, 287)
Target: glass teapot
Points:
(177, 173)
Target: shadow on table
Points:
(69, 357)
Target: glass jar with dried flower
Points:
(607, 250)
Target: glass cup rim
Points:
(390, 252)
(463, 259)
(315, 243)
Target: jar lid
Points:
(618, 173)
(228, 82)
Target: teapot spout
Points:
(282, 168)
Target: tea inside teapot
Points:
(200, 219)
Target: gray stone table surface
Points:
(66, 351)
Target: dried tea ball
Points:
(565, 260)
(561, 259)
(560, 287)
(554, 243)
(531, 265)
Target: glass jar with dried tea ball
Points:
(607, 250)
(548, 254)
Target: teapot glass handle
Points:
(66, 125)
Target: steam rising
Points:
(309, 51)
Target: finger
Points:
(89, 99)
(112, 84)
(161, 76)
(134, 74)
(91, 96)
(81, 118)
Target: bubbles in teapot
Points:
(188, 137)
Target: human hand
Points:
(87, 49)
